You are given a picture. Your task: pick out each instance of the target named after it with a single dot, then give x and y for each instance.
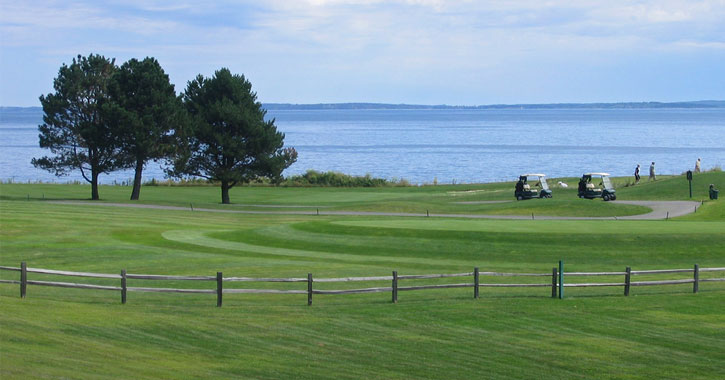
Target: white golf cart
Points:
(588, 190)
(525, 191)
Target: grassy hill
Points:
(657, 332)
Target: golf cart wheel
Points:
(519, 198)
(605, 197)
(548, 195)
(614, 197)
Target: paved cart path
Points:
(660, 210)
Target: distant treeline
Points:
(385, 106)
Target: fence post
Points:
(696, 284)
(553, 282)
(627, 280)
(123, 286)
(309, 289)
(475, 282)
(219, 289)
(561, 279)
(395, 286)
(23, 279)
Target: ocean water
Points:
(461, 146)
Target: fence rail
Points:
(557, 283)
(72, 285)
(171, 290)
(348, 279)
(424, 276)
(657, 271)
(252, 279)
(74, 274)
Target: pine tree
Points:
(75, 128)
(230, 140)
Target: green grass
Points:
(676, 187)
(433, 199)
(658, 332)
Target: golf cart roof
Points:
(602, 174)
(533, 175)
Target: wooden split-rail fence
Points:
(557, 283)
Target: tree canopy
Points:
(230, 141)
(102, 118)
(146, 114)
(75, 128)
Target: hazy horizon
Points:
(720, 103)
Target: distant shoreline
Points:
(387, 106)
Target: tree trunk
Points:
(137, 181)
(225, 192)
(94, 185)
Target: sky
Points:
(457, 52)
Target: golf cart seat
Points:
(527, 187)
(590, 186)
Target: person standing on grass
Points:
(697, 166)
(636, 175)
(652, 176)
(520, 186)
(582, 185)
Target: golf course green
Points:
(508, 333)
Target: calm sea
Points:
(462, 146)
